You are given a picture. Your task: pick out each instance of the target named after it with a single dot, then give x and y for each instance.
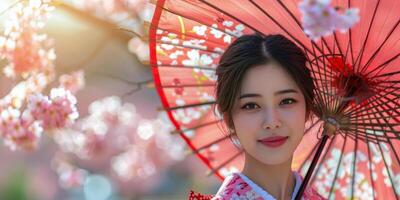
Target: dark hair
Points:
(252, 50)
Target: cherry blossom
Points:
(30, 56)
(57, 111)
(19, 131)
(73, 82)
(140, 48)
(70, 176)
(321, 19)
(136, 149)
(26, 50)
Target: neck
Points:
(277, 180)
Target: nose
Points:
(271, 119)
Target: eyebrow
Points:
(275, 93)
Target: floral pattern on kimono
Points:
(239, 187)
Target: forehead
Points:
(266, 79)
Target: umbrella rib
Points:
(231, 16)
(348, 48)
(338, 44)
(195, 151)
(391, 101)
(337, 167)
(388, 171)
(319, 97)
(353, 171)
(370, 167)
(364, 134)
(370, 124)
(388, 107)
(196, 20)
(394, 82)
(325, 100)
(195, 36)
(389, 142)
(185, 66)
(334, 101)
(364, 115)
(376, 97)
(360, 109)
(375, 107)
(350, 38)
(380, 47)
(187, 85)
(280, 26)
(214, 170)
(187, 46)
(189, 106)
(389, 74)
(360, 55)
(325, 73)
(387, 168)
(383, 65)
(391, 84)
(195, 127)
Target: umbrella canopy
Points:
(356, 74)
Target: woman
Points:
(265, 93)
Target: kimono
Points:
(237, 186)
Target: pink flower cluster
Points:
(321, 19)
(43, 114)
(115, 135)
(55, 112)
(73, 82)
(19, 131)
(69, 175)
(25, 112)
(26, 50)
(127, 14)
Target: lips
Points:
(274, 141)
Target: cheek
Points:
(295, 120)
(246, 121)
(247, 125)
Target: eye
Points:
(250, 106)
(288, 101)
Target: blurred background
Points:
(120, 145)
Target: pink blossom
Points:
(73, 82)
(19, 132)
(140, 48)
(70, 176)
(321, 19)
(348, 19)
(26, 50)
(57, 111)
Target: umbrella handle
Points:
(312, 166)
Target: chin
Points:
(276, 160)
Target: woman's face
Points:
(269, 104)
